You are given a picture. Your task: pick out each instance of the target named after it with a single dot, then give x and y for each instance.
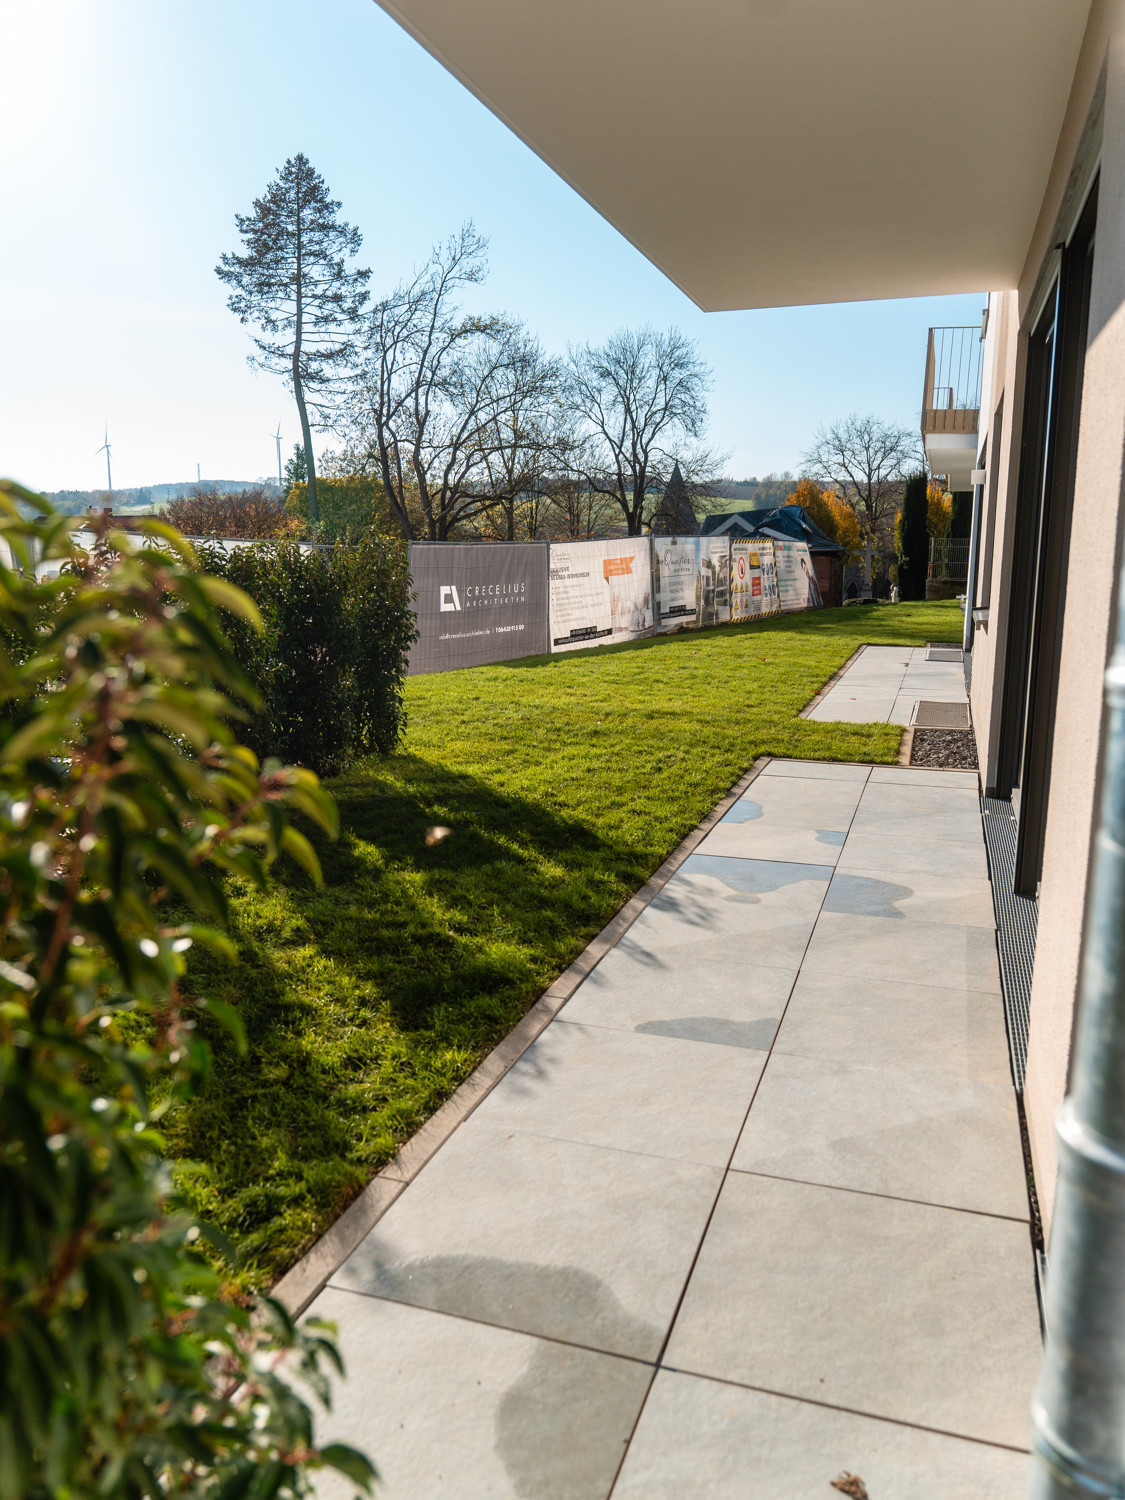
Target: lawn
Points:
(564, 781)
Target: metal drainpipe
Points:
(974, 562)
(1078, 1411)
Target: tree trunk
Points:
(298, 389)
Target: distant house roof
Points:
(786, 522)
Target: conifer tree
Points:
(293, 284)
(915, 539)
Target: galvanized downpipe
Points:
(1078, 1411)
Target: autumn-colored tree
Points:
(938, 510)
(242, 513)
(834, 516)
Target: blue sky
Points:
(133, 131)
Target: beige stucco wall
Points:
(1095, 549)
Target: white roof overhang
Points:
(767, 153)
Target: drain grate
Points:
(1017, 922)
(931, 715)
(943, 653)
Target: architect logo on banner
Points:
(449, 599)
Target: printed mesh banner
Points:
(714, 579)
(675, 566)
(477, 603)
(796, 585)
(600, 592)
(753, 579)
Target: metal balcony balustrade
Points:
(951, 396)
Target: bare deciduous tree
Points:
(293, 283)
(641, 398)
(867, 461)
(445, 400)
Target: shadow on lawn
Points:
(366, 1002)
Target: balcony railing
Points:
(951, 397)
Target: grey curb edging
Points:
(906, 748)
(297, 1288)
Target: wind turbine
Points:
(277, 439)
(108, 471)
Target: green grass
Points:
(565, 781)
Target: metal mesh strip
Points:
(932, 714)
(1017, 921)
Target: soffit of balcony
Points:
(774, 152)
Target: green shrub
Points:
(331, 662)
(126, 1371)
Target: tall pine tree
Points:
(293, 284)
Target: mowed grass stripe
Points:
(565, 781)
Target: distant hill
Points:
(75, 502)
(754, 494)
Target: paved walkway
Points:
(883, 684)
(750, 1213)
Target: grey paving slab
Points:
(929, 897)
(923, 776)
(950, 956)
(919, 814)
(898, 854)
(454, 1410)
(787, 819)
(714, 903)
(661, 1095)
(892, 1309)
(574, 1242)
(897, 1023)
(714, 1441)
(903, 709)
(853, 708)
(723, 1000)
(816, 770)
(907, 1134)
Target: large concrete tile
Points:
(574, 1242)
(714, 1441)
(664, 1096)
(929, 898)
(908, 856)
(787, 818)
(907, 1134)
(919, 814)
(853, 708)
(454, 1410)
(892, 1309)
(949, 956)
(815, 770)
(765, 909)
(924, 776)
(902, 710)
(670, 992)
(897, 1024)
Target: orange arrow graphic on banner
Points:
(615, 567)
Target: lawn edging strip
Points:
(304, 1281)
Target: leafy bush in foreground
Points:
(330, 664)
(126, 1372)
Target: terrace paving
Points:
(883, 683)
(750, 1212)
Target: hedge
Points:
(331, 663)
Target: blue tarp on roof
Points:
(788, 522)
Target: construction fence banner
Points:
(675, 571)
(753, 587)
(600, 592)
(714, 580)
(796, 583)
(477, 602)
